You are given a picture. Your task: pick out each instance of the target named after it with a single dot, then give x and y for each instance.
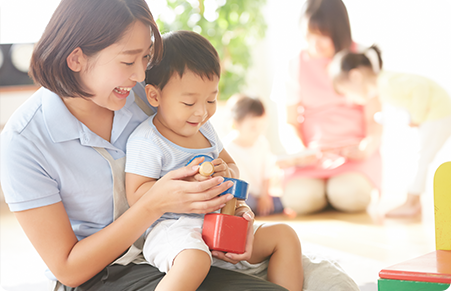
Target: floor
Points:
(361, 243)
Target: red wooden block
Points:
(226, 233)
(433, 267)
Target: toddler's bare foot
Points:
(410, 208)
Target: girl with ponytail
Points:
(359, 76)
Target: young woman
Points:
(340, 162)
(63, 152)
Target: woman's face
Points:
(318, 45)
(112, 73)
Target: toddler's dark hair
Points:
(352, 60)
(245, 106)
(184, 50)
(346, 61)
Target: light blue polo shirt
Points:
(47, 157)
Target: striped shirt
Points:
(151, 155)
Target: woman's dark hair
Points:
(91, 25)
(330, 18)
(245, 106)
(184, 50)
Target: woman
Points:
(341, 164)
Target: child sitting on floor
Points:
(251, 152)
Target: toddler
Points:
(184, 88)
(251, 152)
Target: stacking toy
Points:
(431, 271)
(224, 231)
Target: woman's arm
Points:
(293, 121)
(73, 262)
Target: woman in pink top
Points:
(340, 163)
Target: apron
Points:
(120, 205)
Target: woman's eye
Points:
(188, 104)
(128, 64)
(212, 102)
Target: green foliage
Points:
(232, 26)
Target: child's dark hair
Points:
(92, 26)
(330, 18)
(244, 106)
(184, 50)
(346, 61)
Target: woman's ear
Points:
(76, 60)
(153, 95)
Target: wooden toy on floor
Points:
(431, 271)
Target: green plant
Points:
(232, 26)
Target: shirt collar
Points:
(63, 126)
(60, 123)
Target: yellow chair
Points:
(431, 271)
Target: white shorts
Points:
(169, 237)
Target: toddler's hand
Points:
(221, 168)
(235, 258)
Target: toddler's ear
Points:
(153, 95)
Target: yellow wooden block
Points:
(442, 206)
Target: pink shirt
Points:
(329, 121)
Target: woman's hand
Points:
(244, 211)
(303, 159)
(360, 151)
(172, 193)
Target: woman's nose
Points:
(139, 73)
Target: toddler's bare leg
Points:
(281, 245)
(189, 269)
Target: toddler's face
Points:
(251, 127)
(186, 103)
(354, 88)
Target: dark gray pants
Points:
(145, 277)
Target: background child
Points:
(251, 152)
(359, 77)
(184, 87)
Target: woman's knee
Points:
(350, 192)
(305, 195)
